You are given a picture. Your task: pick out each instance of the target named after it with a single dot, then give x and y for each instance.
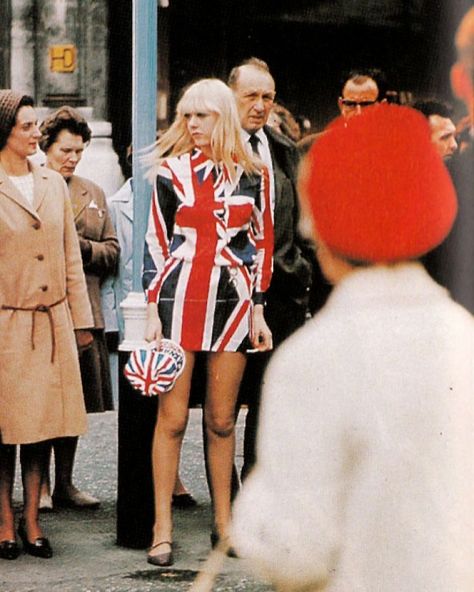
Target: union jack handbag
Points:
(155, 370)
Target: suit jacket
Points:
(452, 263)
(93, 224)
(292, 271)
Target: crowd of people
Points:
(260, 238)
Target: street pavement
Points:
(86, 557)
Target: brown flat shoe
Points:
(164, 559)
(79, 500)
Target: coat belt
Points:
(39, 308)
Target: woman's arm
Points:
(262, 228)
(260, 334)
(160, 230)
(158, 236)
(153, 324)
(262, 231)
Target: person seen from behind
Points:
(365, 472)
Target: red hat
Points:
(376, 187)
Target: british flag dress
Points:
(208, 252)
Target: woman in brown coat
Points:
(43, 301)
(65, 134)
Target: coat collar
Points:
(80, 196)
(381, 284)
(8, 189)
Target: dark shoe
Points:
(216, 541)
(78, 500)
(161, 559)
(9, 550)
(40, 548)
(183, 501)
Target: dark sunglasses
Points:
(349, 103)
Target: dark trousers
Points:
(283, 318)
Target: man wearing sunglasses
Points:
(360, 89)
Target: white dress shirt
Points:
(265, 155)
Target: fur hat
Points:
(376, 189)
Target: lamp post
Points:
(144, 92)
(137, 414)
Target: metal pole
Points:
(144, 89)
(137, 415)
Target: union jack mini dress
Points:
(208, 252)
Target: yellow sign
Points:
(62, 58)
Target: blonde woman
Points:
(208, 260)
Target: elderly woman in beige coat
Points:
(65, 134)
(44, 311)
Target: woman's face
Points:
(23, 139)
(64, 154)
(200, 127)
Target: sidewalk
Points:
(86, 558)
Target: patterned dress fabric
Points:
(208, 252)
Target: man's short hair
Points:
(254, 62)
(360, 76)
(433, 107)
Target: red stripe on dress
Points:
(200, 217)
(233, 326)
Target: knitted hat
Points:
(376, 188)
(9, 102)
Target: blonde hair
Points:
(208, 94)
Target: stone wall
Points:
(36, 25)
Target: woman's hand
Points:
(84, 339)
(153, 324)
(260, 334)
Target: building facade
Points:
(80, 51)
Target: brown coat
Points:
(94, 224)
(40, 264)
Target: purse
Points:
(154, 370)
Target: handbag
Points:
(154, 370)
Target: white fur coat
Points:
(365, 473)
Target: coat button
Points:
(44, 288)
(40, 257)
(36, 225)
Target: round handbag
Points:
(155, 370)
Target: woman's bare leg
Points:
(168, 436)
(225, 370)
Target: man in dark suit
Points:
(452, 263)
(288, 296)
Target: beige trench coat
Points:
(40, 264)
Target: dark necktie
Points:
(254, 141)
